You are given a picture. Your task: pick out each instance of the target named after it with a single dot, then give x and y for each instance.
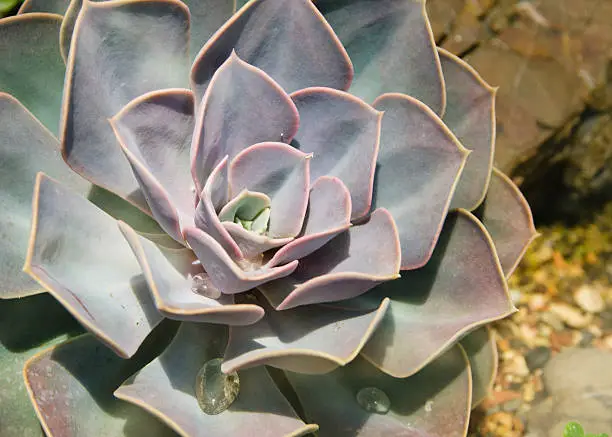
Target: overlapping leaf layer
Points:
(312, 201)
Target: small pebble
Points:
(536, 358)
(589, 299)
(570, 315)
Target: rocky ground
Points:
(556, 351)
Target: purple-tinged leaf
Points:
(120, 50)
(206, 217)
(71, 387)
(481, 351)
(283, 174)
(166, 389)
(242, 106)
(288, 39)
(349, 265)
(392, 48)
(329, 214)
(506, 215)
(26, 148)
(461, 288)
(28, 326)
(154, 131)
(417, 149)
(51, 6)
(224, 273)
(79, 255)
(470, 114)
(312, 339)
(251, 244)
(31, 68)
(169, 276)
(343, 133)
(433, 403)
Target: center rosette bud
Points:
(251, 210)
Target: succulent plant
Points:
(302, 232)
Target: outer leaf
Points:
(481, 350)
(121, 50)
(169, 278)
(506, 215)
(26, 147)
(242, 106)
(376, 35)
(342, 132)
(224, 273)
(288, 39)
(346, 267)
(311, 339)
(461, 287)
(470, 114)
(207, 16)
(433, 403)
(67, 29)
(78, 254)
(26, 327)
(71, 387)
(165, 388)
(329, 214)
(154, 132)
(31, 68)
(419, 150)
(282, 173)
(52, 6)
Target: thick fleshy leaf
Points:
(79, 255)
(71, 387)
(27, 326)
(51, 6)
(224, 273)
(311, 339)
(507, 216)
(377, 37)
(283, 174)
(26, 148)
(329, 214)
(169, 276)
(417, 149)
(460, 288)
(251, 244)
(121, 50)
(206, 217)
(342, 132)
(433, 403)
(32, 69)
(67, 29)
(481, 350)
(288, 39)
(166, 389)
(347, 266)
(207, 17)
(242, 106)
(154, 131)
(470, 114)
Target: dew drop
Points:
(428, 406)
(215, 390)
(201, 284)
(373, 400)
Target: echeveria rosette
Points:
(310, 179)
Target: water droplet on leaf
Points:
(215, 390)
(373, 400)
(201, 284)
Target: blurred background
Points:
(552, 62)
